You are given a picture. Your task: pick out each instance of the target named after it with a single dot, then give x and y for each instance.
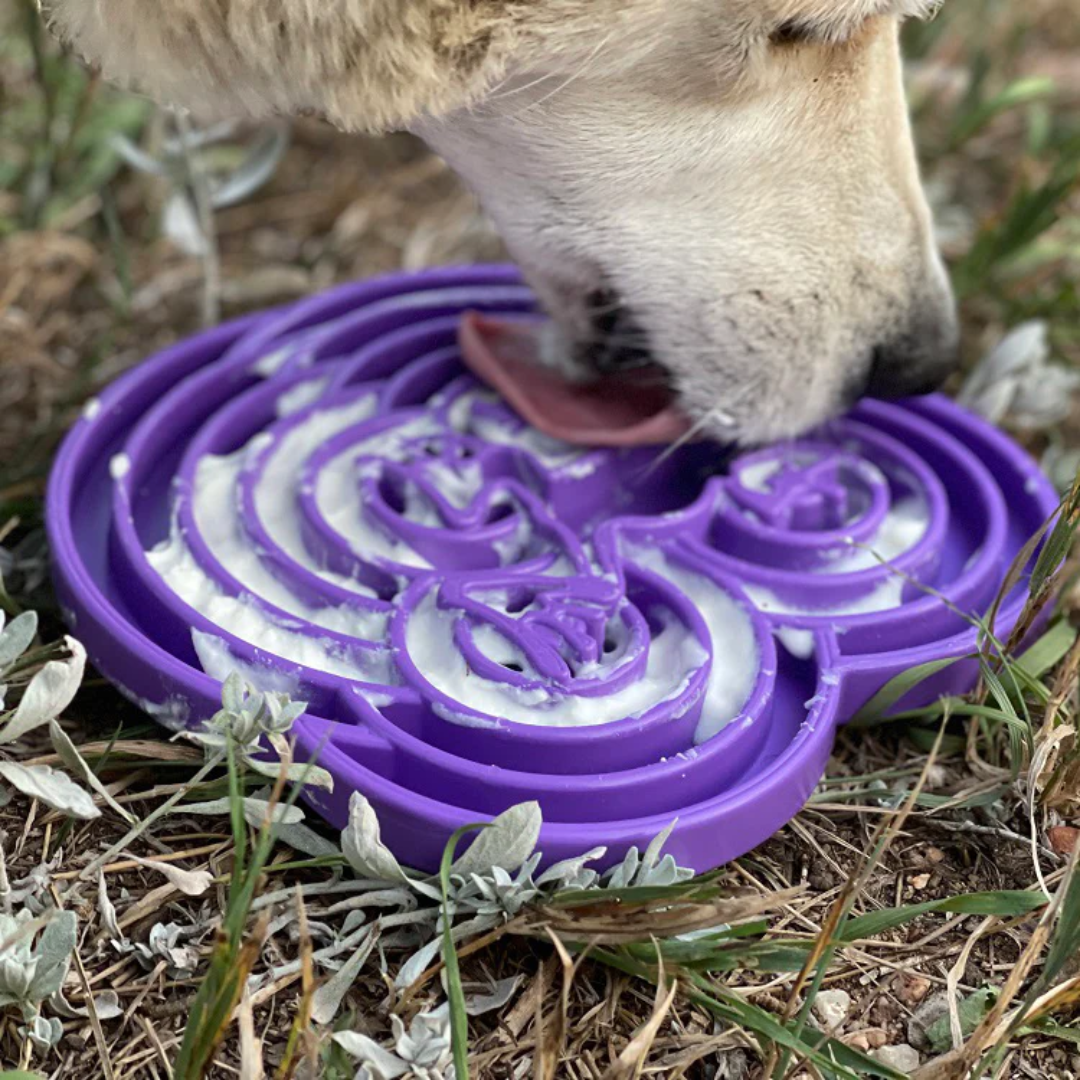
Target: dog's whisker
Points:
(589, 60)
(610, 307)
(679, 443)
(498, 94)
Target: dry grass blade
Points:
(95, 1022)
(301, 1025)
(158, 753)
(826, 941)
(552, 1029)
(631, 1061)
(619, 923)
(251, 1050)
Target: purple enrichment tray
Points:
(322, 498)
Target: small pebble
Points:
(937, 776)
(932, 1009)
(867, 1039)
(831, 1007)
(903, 1058)
(911, 988)
(1063, 839)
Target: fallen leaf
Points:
(189, 882)
(910, 987)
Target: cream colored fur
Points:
(752, 201)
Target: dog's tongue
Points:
(631, 409)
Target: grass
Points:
(923, 869)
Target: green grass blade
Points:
(459, 1019)
(897, 687)
(1017, 94)
(1005, 903)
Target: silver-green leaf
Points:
(55, 789)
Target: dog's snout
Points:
(917, 361)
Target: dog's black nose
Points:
(893, 375)
(616, 342)
(917, 362)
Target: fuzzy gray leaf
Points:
(369, 1052)
(297, 772)
(16, 637)
(363, 847)
(234, 692)
(50, 692)
(107, 1005)
(54, 789)
(255, 811)
(55, 948)
(497, 997)
(45, 1034)
(652, 852)
(326, 1001)
(417, 964)
(307, 841)
(70, 756)
(572, 873)
(506, 843)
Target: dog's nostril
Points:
(603, 307)
(616, 342)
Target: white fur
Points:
(753, 203)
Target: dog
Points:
(726, 187)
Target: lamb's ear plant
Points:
(37, 683)
(246, 717)
(35, 957)
(44, 679)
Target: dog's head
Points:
(728, 186)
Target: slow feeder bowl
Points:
(322, 498)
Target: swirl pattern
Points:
(476, 614)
